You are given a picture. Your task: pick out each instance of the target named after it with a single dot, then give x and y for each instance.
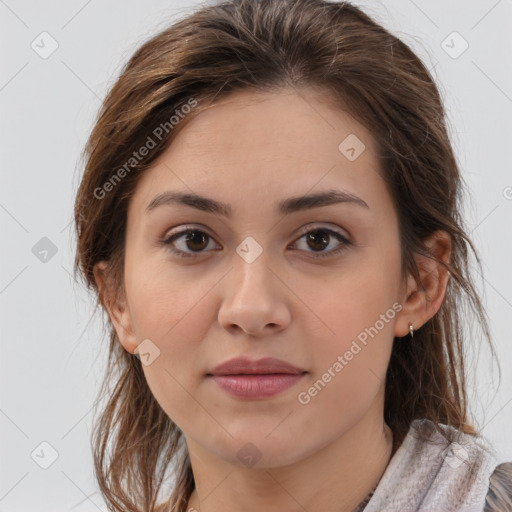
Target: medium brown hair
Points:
(266, 45)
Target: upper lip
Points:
(243, 365)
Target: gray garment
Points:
(499, 497)
(428, 473)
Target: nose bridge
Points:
(251, 272)
(252, 263)
(254, 296)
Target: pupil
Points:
(322, 239)
(195, 237)
(319, 239)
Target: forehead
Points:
(252, 146)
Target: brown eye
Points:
(190, 243)
(187, 242)
(317, 240)
(195, 240)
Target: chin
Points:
(259, 452)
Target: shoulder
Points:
(499, 496)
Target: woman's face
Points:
(314, 284)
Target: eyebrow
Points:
(290, 205)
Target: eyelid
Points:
(323, 225)
(184, 228)
(345, 242)
(306, 229)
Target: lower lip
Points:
(257, 386)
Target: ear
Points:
(117, 308)
(421, 302)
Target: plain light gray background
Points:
(52, 353)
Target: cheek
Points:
(357, 313)
(350, 363)
(356, 301)
(177, 322)
(163, 299)
(173, 312)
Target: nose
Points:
(255, 298)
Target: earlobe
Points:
(422, 301)
(117, 310)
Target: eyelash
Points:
(345, 243)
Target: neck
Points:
(337, 478)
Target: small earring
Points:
(411, 330)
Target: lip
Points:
(265, 365)
(266, 377)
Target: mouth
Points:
(265, 365)
(264, 378)
(256, 386)
(246, 379)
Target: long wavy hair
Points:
(266, 45)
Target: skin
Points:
(252, 150)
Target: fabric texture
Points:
(429, 473)
(499, 497)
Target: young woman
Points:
(270, 216)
